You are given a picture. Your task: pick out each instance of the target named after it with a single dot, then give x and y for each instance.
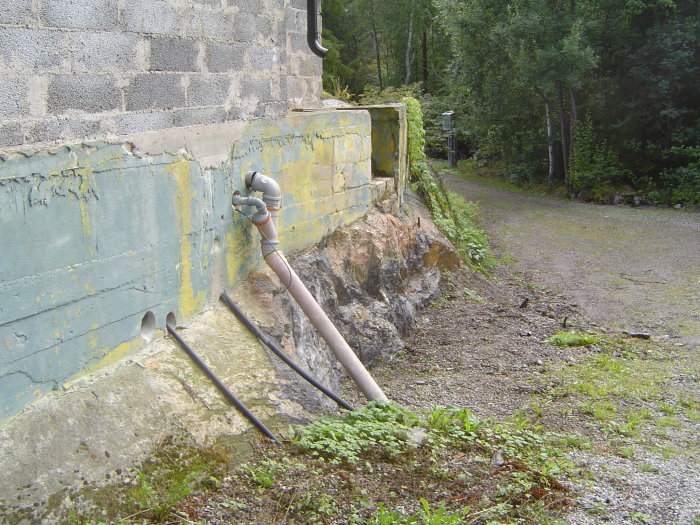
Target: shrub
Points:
(592, 163)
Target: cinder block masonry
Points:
(96, 69)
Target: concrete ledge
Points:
(389, 143)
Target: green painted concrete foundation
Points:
(102, 241)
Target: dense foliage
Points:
(455, 217)
(599, 95)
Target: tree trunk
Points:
(574, 109)
(425, 58)
(376, 47)
(564, 131)
(550, 138)
(550, 143)
(409, 40)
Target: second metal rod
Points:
(222, 388)
(279, 353)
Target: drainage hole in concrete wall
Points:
(171, 320)
(148, 326)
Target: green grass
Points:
(572, 338)
(624, 394)
(604, 376)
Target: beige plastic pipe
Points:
(266, 224)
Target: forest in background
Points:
(599, 96)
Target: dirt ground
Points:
(614, 270)
(629, 268)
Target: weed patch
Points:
(625, 392)
(572, 338)
(382, 464)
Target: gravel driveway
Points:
(633, 268)
(613, 268)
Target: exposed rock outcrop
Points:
(370, 278)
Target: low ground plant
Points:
(572, 338)
(378, 427)
(158, 503)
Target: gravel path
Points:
(633, 268)
(604, 267)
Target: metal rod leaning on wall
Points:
(222, 388)
(279, 353)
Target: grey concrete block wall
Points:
(105, 52)
(89, 93)
(13, 98)
(15, 11)
(146, 92)
(174, 54)
(102, 15)
(224, 58)
(155, 17)
(114, 67)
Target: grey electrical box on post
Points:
(447, 119)
(448, 125)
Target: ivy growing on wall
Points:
(451, 213)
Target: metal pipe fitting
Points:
(261, 216)
(276, 261)
(269, 188)
(312, 29)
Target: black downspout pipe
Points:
(279, 353)
(222, 388)
(312, 29)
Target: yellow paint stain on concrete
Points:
(92, 336)
(114, 356)
(324, 152)
(231, 259)
(84, 190)
(85, 217)
(188, 302)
